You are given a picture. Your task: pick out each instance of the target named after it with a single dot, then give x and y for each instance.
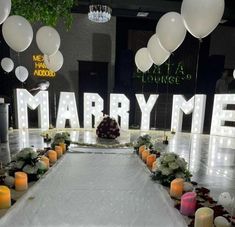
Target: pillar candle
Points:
(154, 166)
(177, 187)
(45, 160)
(150, 160)
(204, 217)
(21, 181)
(5, 197)
(59, 151)
(145, 154)
(188, 203)
(141, 149)
(63, 146)
(52, 156)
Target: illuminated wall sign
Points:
(221, 115)
(159, 74)
(40, 68)
(119, 109)
(180, 106)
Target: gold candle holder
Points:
(5, 197)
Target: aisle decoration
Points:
(170, 167)
(28, 161)
(61, 138)
(108, 128)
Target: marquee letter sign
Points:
(221, 115)
(146, 109)
(93, 105)
(67, 111)
(24, 100)
(119, 107)
(180, 106)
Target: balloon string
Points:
(195, 92)
(167, 96)
(155, 114)
(18, 56)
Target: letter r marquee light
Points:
(24, 100)
(180, 106)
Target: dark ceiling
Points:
(129, 8)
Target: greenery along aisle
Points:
(48, 12)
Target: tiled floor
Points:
(211, 158)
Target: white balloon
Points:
(158, 54)
(7, 64)
(171, 31)
(48, 40)
(143, 60)
(21, 73)
(201, 17)
(225, 199)
(234, 73)
(17, 32)
(221, 222)
(5, 9)
(54, 62)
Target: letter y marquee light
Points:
(67, 110)
(146, 109)
(221, 114)
(24, 100)
(93, 105)
(180, 106)
(120, 106)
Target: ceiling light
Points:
(142, 14)
(99, 13)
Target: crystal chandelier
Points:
(99, 13)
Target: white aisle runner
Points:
(95, 190)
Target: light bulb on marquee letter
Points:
(93, 105)
(24, 100)
(67, 110)
(180, 106)
(221, 114)
(146, 109)
(120, 106)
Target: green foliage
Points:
(47, 12)
(28, 161)
(61, 137)
(143, 140)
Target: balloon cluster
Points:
(199, 18)
(18, 34)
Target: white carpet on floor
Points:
(95, 190)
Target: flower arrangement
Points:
(143, 140)
(108, 128)
(61, 137)
(28, 161)
(169, 167)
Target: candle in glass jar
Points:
(5, 197)
(154, 166)
(21, 181)
(59, 151)
(141, 149)
(46, 161)
(188, 204)
(150, 160)
(52, 156)
(177, 187)
(204, 217)
(63, 146)
(145, 154)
